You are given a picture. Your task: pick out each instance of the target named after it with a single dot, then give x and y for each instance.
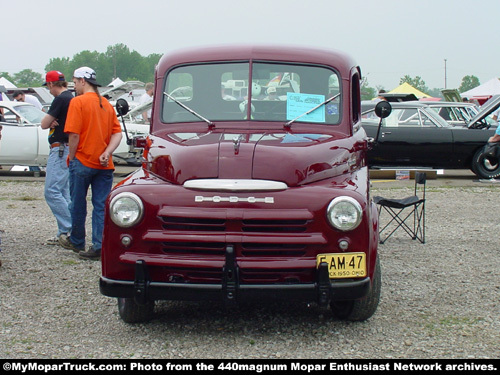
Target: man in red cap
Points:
(57, 194)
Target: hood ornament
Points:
(237, 142)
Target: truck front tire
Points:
(360, 309)
(131, 312)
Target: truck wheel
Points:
(485, 166)
(131, 312)
(360, 309)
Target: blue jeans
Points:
(57, 193)
(101, 181)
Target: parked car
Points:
(414, 135)
(25, 143)
(458, 113)
(251, 198)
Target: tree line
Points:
(119, 61)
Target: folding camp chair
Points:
(415, 209)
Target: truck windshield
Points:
(261, 91)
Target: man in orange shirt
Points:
(94, 133)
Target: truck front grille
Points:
(194, 224)
(272, 250)
(197, 248)
(277, 226)
(255, 234)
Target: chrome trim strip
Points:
(235, 185)
(218, 199)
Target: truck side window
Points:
(356, 99)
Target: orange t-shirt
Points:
(95, 125)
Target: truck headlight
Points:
(126, 209)
(344, 213)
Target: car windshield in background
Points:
(459, 114)
(275, 92)
(30, 113)
(455, 114)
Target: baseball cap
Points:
(53, 76)
(88, 74)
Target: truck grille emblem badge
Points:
(233, 199)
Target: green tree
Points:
(416, 82)
(61, 64)
(367, 92)
(117, 61)
(7, 76)
(468, 83)
(150, 64)
(27, 78)
(125, 64)
(87, 58)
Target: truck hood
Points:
(292, 158)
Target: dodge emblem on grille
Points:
(233, 199)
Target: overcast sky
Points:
(387, 38)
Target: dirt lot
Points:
(440, 299)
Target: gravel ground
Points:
(440, 299)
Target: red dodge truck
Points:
(254, 185)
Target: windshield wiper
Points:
(289, 123)
(210, 123)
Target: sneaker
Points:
(90, 254)
(67, 244)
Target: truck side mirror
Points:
(383, 109)
(122, 107)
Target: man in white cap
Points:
(94, 133)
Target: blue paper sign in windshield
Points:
(298, 104)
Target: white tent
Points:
(6, 83)
(490, 88)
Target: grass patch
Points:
(70, 262)
(447, 324)
(26, 198)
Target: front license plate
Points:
(344, 265)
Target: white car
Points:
(25, 143)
